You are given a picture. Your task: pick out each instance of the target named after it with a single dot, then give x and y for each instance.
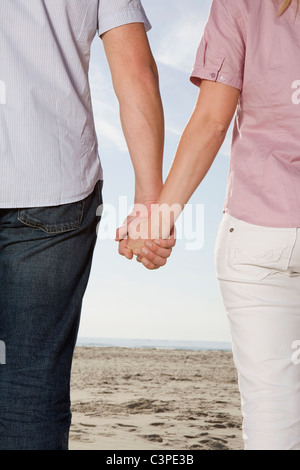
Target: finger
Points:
(149, 265)
(153, 258)
(159, 251)
(127, 254)
(169, 243)
(124, 250)
(121, 233)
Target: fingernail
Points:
(145, 251)
(145, 262)
(149, 244)
(157, 242)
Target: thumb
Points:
(121, 233)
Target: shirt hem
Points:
(254, 221)
(50, 202)
(122, 18)
(201, 73)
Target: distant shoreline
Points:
(130, 343)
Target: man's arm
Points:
(135, 79)
(136, 84)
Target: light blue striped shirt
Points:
(48, 144)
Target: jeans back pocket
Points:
(57, 219)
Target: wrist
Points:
(148, 196)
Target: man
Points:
(51, 181)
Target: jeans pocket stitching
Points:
(47, 228)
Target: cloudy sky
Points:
(182, 301)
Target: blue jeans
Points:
(45, 262)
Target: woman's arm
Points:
(198, 147)
(200, 142)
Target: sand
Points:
(147, 399)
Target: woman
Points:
(248, 63)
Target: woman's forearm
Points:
(199, 145)
(197, 150)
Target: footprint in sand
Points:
(153, 438)
(215, 443)
(126, 426)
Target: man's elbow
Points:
(142, 78)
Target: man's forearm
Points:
(143, 126)
(135, 80)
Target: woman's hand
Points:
(134, 238)
(153, 254)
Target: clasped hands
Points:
(149, 242)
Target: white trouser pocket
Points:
(246, 252)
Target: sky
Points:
(181, 301)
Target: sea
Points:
(154, 344)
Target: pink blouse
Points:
(247, 46)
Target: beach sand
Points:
(148, 399)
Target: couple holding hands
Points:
(51, 186)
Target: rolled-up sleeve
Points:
(221, 54)
(114, 13)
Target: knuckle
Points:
(151, 256)
(161, 262)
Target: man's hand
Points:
(139, 211)
(134, 239)
(136, 83)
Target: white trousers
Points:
(258, 269)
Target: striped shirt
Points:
(48, 144)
